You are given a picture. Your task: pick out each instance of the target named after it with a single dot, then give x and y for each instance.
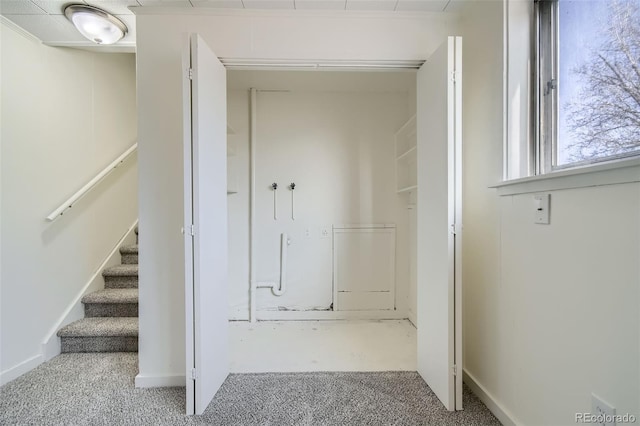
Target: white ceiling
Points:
(45, 20)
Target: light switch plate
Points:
(541, 205)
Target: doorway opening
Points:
(330, 169)
(320, 211)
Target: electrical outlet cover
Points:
(325, 232)
(603, 411)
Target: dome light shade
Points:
(95, 24)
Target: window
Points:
(588, 82)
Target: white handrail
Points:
(93, 182)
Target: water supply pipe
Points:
(274, 186)
(293, 209)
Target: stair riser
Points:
(129, 259)
(99, 344)
(120, 282)
(111, 310)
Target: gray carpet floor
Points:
(97, 389)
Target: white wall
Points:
(66, 114)
(246, 35)
(306, 35)
(336, 143)
(551, 312)
(238, 203)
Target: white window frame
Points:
(545, 85)
(546, 35)
(527, 163)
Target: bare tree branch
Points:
(605, 118)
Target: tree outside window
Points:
(599, 80)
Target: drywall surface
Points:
(322, 346)
(551, 312)
(237, 35)
(338, 149)
(66, 114)
(482, 167)
(305, 36)
(238, 203)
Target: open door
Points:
(439, 131)
(205, 166)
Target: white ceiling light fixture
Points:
(95, 24)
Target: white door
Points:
(205, 115)
(439, 113)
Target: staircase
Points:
(111, 315)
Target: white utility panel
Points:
(364, 267)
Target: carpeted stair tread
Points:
(110, 322)
(101, 327)
(121, 271)
(131, 249)
(129, 254)
(112, 295)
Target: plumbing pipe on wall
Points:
(278, 288)
(252, 204)
(292, 187)
(274, 186)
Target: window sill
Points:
(612, 173)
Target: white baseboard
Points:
(236, 314)
(505, 417)
(18, 370)
(52, 347)
(75, 310)
(411, 316)
(329, 315)
(239, 314)
(160, 381)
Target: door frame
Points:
(457, 245)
